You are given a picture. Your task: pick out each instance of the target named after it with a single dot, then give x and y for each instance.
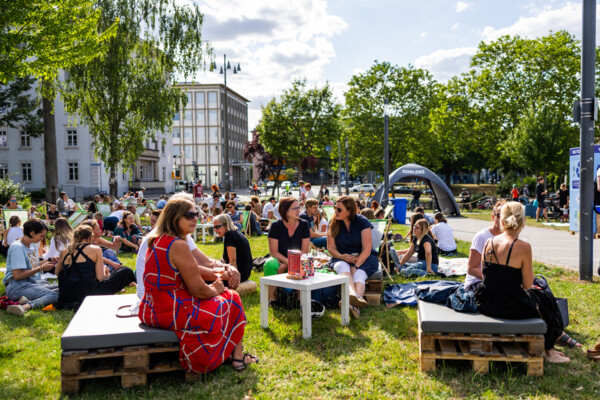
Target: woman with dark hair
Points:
(427, 252)
(236, 248)
(351, 247)
(81, 271)
(209, 320)
(289, 233)
(442, 232)
(129, 232)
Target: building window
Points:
(187, 115)
(26, 172)
(201, 135)
(25, 140)
(188, 104)
(212, 117)
(162, 146)
(199, 99)
(189, 153)
(3, 170)
(176, 133)
(176, 116)
(176, 150)
(200, 117)
(73, 171)
(212, 99)
(164, 174)
(187, 133)
(3, 140)
(214, 134)
(71, 138)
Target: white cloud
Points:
(461, 6)
(540, 23)
(455, 26)
(423, 34)
(274, 42)
(444, 64)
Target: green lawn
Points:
(374, 357)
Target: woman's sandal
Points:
(594, 353)
(243, 363)
(567, 340)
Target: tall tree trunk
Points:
(50, 157)
(112, 182)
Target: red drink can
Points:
(294, 264)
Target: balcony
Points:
(150, 154)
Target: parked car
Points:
(350, 184)
(284, 183)
(367, 187)
(403, 189)
(270, 184)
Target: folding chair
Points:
(246, 222)
(152, 205)
(328, 211)
(388, 211)
(6, 214)
(104, 209)
(77, 218)
(379, 234)
(141, 210)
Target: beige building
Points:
(199, 135)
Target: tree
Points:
(39, 37)
(20, 109)
(262, 160)
(300, 125)
(126, 95)
(411, 93)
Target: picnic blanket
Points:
(404, 293)
(452, 266)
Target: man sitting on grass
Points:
(23, 280)
(319, 239)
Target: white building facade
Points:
(80, 174)
(198, 135)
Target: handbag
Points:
(563, 304)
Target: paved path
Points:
(549, 246)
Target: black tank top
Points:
(501, 294)
(76, 279)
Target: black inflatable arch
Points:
(443, 195)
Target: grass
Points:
(374, 357)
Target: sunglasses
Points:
(339, 210)
(218, 226)
(190, 215)
(14, 201)
(497, 215)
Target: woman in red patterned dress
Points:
(208, 319)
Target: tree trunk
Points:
(112, 182)
(276, 182)
(50, 158)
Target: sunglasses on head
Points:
(190, 215)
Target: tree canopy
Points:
(127, 95)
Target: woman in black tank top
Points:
(81, 271)
(506, 290)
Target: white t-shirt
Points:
(53, 251)
(140, 262)
(445, 236)
(276, 211)
(310, 194)
(268, 207)
(118, 214)
(323, 223)
(478, 244)
(14, 233)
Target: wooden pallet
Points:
(481, 349)
(132, 364)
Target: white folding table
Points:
(203, 226)
(305, 286)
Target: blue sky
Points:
(276, 41)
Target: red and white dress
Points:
(208, 330)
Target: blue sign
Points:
(343, 175)
(328, 148)
(321, 173)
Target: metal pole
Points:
(386, 153)
(347, 171)
(588, 55)
(339, 168)
(225, 130)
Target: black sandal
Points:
(243, 363)
(567, 340)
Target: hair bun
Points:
(511, 222)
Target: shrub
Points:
(38, 195)
(9, 188)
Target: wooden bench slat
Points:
(447, 347)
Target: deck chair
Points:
(77, 218)
(104, 209)
(141, 210)
(388, 211)
(380, 241)
(328, 211)
(246, 222)
(6, 214)
(152, 205)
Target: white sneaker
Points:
(17, 310)
(23, 300)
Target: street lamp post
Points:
(226, 165)
(339, 168)
(347, 171)
(386, 152)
